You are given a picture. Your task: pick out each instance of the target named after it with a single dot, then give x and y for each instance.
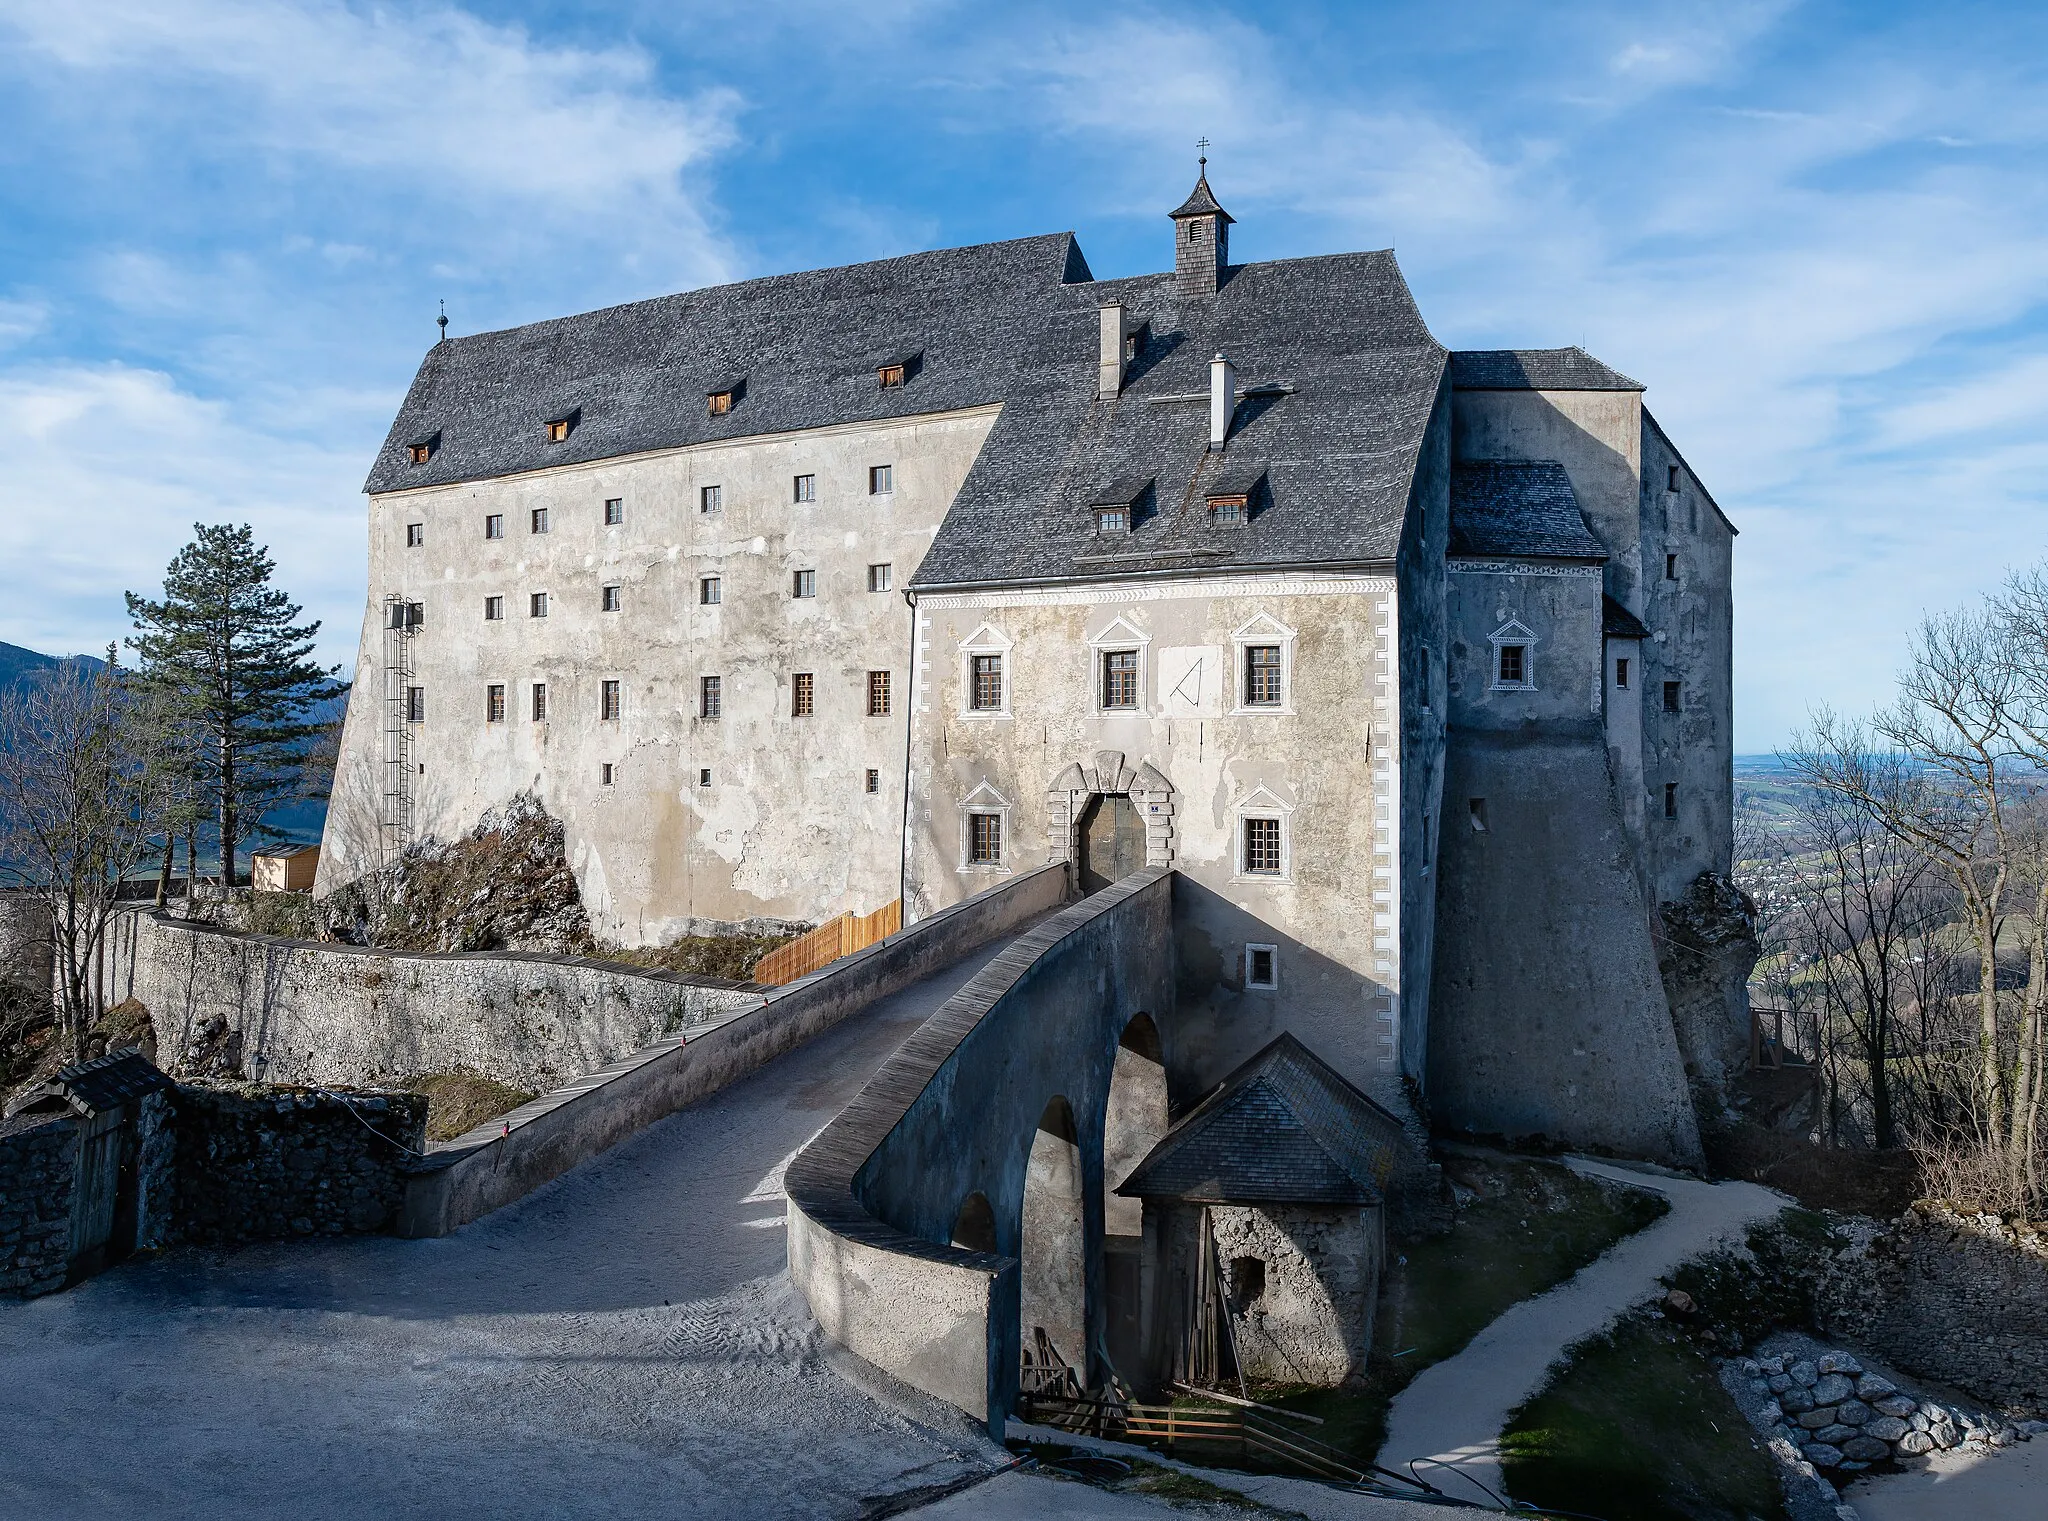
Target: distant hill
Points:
(16, 663)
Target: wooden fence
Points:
(1249, 1433)
(827, 943)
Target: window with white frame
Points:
(985, 674)
(1265, 846)
(984, 829)
(1514, 658)
(1119, 677)
(710, 499)
(881, 577)
(1262, 967)
(1119, 680)
(1265, 666)
(984, 839)
(881, 480)
(803, 583)
(1261, 855)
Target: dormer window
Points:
(898, 369)
(1229, 509)
(893, 375)
(1134, 341)
(1112, 520)
(420, 450)
(1232, 493)
(559, 428)
(1115, 507)
(723, 397)
(721, 403)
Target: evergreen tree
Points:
(224, 642)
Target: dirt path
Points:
(2008, 1485)
(623, 1341)
(1453, 1413)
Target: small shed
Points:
(284, 870)
(1264, 1220)
(121, 1107)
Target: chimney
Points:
(1110, 369)
(1222, 401)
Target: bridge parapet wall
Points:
(953, 1114)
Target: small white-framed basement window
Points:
(1262, 968)
(1514, 658)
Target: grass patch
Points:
(458, 1102)
(730, 956)
(1522, 1226)
(290, 915)
(1638, 1428)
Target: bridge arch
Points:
(974, 1227)
(1134, 1121)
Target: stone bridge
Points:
(961, 1200)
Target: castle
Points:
(812, 592)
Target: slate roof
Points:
(94, 1087)
(1525, 509)
(1571, 369)
(1201, 202)
(809, 346)
(1617, 622)
(1282, 1129)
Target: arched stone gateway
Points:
(1089, 815)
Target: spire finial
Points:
(1202, 147)
(442, 323)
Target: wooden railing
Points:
(824, 945)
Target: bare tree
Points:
(82, 794)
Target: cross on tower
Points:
(1202, 146)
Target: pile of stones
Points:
(1840, 1417)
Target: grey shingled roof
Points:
(1012, 323)
(1201, 202)
(94, 1087)
(1520, 508)
(971, 320)
(1617, 622)
(1571, 369)
(1282, 1129)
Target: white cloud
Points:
(109, 467)
(21, 320)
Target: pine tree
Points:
(225, 643)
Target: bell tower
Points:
(1201, 239)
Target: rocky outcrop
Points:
(1706, 946)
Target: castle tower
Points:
(1201, 239)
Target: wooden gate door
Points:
(97, 1190)
(1112, 841)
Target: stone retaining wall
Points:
(25, 955)
(255, 1163)
(37, 1157)
(1962, 1299)
(309, 1012)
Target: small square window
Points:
(985, 686)
(1477, 808)
(1671, 567)
(1671, 478)
(415, 705)
(881, 480)
(1670, 697)
(558, 429)
(537, 605)
(720, 403)
(415, 535)
(611, 596)
(494, 704)
(1262, 685)
(803, 689)
(804, 583)
(984, 839)
(605, 774)
(607, 700)
(892, 376)
(881, 577)
(878, 694)
(494, 525)
(1112, 520)
(1230, 509)
(421, 453)
(1262, 966)
(704, 776)
(711, 499)
(1621, 671)
(874, 781)
(710, 591)
(494, 609)
(1262, 847)
(540, 520)
(1671, 800)
(1514, 665)
(710, 701)
(805, 488)
(614, 511)
(540, 702)
(1120, 680)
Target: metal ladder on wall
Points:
(401, 622)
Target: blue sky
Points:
(1816, 232)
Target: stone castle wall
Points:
(37, 1157)
(1958, 1298)
(295, 1011)
(25, 955)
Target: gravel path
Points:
(2009, 1485)
(623, 1341)
(1454, 1412)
